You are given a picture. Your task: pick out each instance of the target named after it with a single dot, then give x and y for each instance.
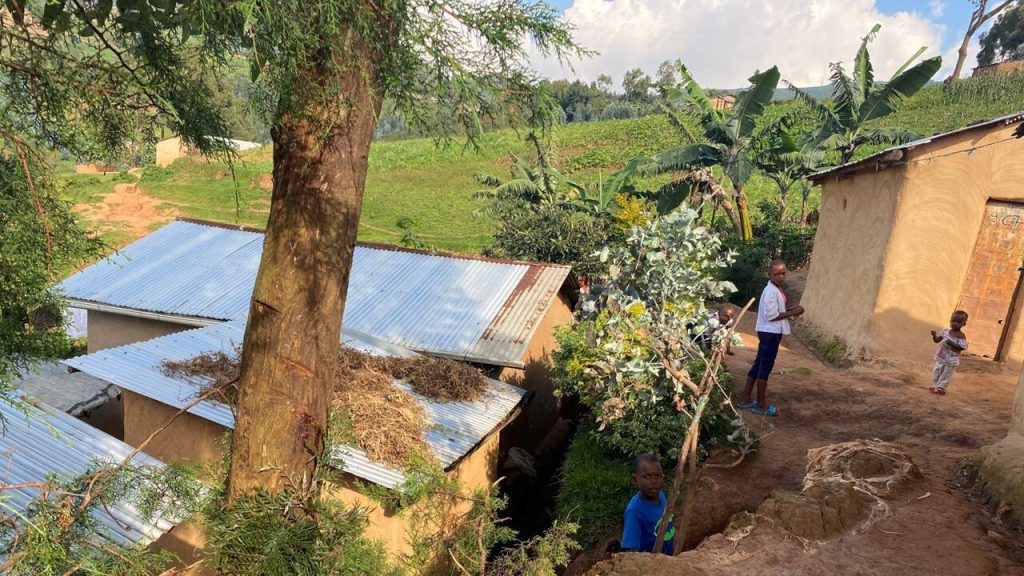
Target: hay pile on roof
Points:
(371, 413)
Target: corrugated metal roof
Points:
(462, 307)
(50, 383)
(453, 429)
(1004, 120)
(43, 440)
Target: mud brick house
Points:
(463, 436)
(912, 233)
(495, 313)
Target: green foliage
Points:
(642, 318)
(267, 535)
(727, 140)
(596, 483)
(1005, 39)
(777, 239)
(858, 100)
(59, 534)
(41, 240)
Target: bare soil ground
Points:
(126, 209)
(933, 525)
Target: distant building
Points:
(1007, 67)
(723, 101)
(170, 149)
(912, 233)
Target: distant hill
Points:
(819, 92)
(414, 186)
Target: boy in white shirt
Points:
(773, 316)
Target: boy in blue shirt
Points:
(644, 511)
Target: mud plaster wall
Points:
(857, 215)
(476, 471)
(169, 150)
(107, 330)
(938, 218)
(542, 412)
(191, 439)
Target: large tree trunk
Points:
(961, 56)
(292, 337)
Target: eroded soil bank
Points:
(931, 525)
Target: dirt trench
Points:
(933, 527)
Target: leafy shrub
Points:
(637, 330)
(596, 484)
(550, 233)
(619, 111)
(773, 240)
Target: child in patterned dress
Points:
(952, 342)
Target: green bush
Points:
(773, 240)
(596, 484)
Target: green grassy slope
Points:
(431, 185)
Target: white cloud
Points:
(724, 41)
(937, 8)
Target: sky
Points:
(723, 42)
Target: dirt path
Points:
(945, 532)
(127, 209)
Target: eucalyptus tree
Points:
(726, 138)
(324, 68)
(983, 12)
(857, 101)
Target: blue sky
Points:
(724, 41)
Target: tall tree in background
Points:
(982, 13)
(326, 66)
(637, 86)
(856, 101)
(1005, 40)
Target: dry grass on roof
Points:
(383, 420)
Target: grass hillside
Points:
(429, 188)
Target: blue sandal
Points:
(751, 404)
(771, 411)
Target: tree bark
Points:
(294, 328)
(961, 55)
(745, 229)
(805, 192)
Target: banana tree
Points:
(787, 163)
(726, 138)
(858, 100)
(534, 181)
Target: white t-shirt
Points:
(773, 303)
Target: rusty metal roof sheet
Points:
(453, 429)
(39, 440)
(465, 307)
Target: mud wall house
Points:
(170, 149)
(1007, 67)
(915, 232)
(40, 441)
(464, 436)
(495, 313)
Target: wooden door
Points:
(993, 277)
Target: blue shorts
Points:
(767, 350)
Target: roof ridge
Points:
(385, 246)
